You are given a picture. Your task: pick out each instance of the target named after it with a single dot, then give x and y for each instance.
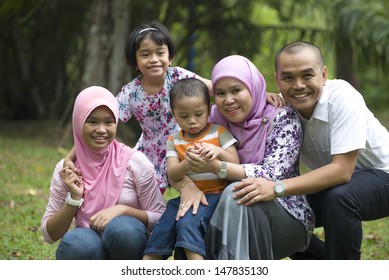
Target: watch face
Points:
(279, 188)
(222, 174)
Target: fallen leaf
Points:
(16, 253)
(11, 204)
(370, 236)
(33, 229)
(32, 192)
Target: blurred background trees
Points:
(52, 49)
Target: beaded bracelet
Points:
(182, 185)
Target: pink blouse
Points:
(140, 190)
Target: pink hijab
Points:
(103, 171)
(252, 134)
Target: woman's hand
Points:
(74, 183)
(191, 197)
(275, 99)
(99, 221)
(68, 164)
(253, 190)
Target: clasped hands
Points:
(199, 158)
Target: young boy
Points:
(190, 105)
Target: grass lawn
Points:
(28, 154)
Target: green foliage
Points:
(366, 24)
(42, 43)
(38, 38)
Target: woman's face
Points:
(233, 99)
(99, 129)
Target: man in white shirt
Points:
(345, 146)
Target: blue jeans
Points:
(123, 238)
(188, 232)
(341, 210)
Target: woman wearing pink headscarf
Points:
(269, 139)
(117, 200)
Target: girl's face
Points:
(99, 129)
(233, 99)
(191, 114)
(152, 59)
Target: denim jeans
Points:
(341, 210)
(123, 238)
(188, 232)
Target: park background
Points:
(52, 49)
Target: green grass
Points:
(28, 154)
(27, 160)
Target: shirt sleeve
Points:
(147, 188)
(180, 73)
(226, 138)
(58, 192)
(281, 159)
(346, 113)
(124, 100)
(170, 148)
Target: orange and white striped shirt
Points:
(217, 135)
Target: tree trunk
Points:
(344, 61)
(104, 64)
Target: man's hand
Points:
(253, 190)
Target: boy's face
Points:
(152, 59)
(300, 79)
(191, 114)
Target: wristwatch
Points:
(222, 173)
(279, 189)
(72, 202)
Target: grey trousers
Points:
(263, 231)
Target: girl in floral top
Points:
(150, 50)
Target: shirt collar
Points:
(321, 111)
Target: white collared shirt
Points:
(340, 123)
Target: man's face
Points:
(300, 79)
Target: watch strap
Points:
(222, 173)
(72, 202)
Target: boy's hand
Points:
(208, 151)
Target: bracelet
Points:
(182, 185)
